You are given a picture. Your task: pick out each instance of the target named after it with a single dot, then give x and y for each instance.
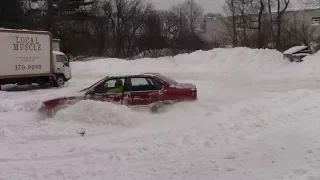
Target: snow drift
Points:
(97, 112)
(257, 117)
(226, 61)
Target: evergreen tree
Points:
(11, 13)
(62, 10)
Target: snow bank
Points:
(236, 124)
(294, 49)
(309, 67)
(221, 60)
(312, 60)
(100, 113)
(19, 105)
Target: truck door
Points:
(142, 91)
(109, 91)
(62, 65)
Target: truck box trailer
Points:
(30, 57)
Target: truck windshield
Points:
(63, 59)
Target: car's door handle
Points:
(153, 97)
(136, 98)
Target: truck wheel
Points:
(59, 81)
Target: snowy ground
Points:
(257, 117)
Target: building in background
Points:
(305, 23)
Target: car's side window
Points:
(141, 84)
(111, 86)
(156, 84)
(113, 83)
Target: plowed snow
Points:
(257, 117)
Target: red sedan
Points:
(148, 89)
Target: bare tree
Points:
(282, 6)
(191, 13)
(170, 26)
(271, 21)
(252, 17)
(100, 19)
(126, 18)
(231, 20)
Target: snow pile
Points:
(249, 114)
(312, 60)
(12, 101)
(309, 67)
(97, 112)
(239, 60)
(294, 49)
(221, 60)
(19, 105)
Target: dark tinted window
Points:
(157, 85)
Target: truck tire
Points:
(59, 81)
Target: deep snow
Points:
(257, 117)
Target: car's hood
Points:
(71, 99)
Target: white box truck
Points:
(28, 57)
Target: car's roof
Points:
(133, 74)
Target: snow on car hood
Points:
(67, 95)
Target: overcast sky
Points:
(208, 5)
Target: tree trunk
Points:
(260, 38)
(271, 22)
(234, 25)
(49, 15)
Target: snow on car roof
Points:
(131, 74)
(294, 49)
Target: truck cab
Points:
(61, 68)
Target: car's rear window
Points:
(167, 79)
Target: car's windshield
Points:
(93, 85)
(168, 80)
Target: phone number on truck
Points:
(27, 67)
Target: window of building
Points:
(315, 21)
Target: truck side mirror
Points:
(67, 63)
